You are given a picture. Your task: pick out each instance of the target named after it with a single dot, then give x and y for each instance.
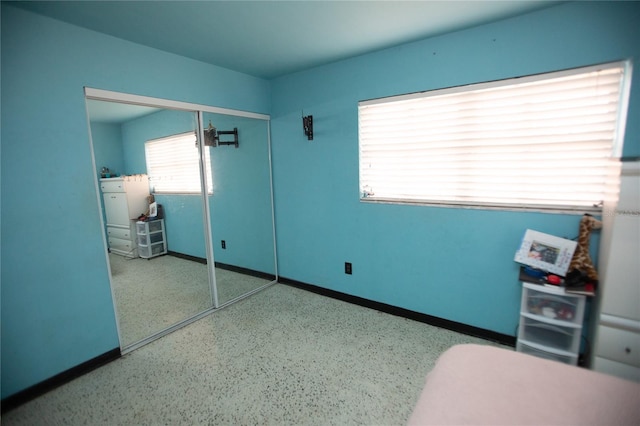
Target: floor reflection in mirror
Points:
(153, 294)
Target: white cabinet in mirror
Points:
(125, 198)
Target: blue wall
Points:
(57, 310)
(451, 263)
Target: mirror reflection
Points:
(161, 228)
(240, 204)
(153, 215)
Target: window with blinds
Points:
(545, 141)
(173, 165)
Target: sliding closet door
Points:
(170, 283)
(200, 233)
(240, 204)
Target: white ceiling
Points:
(271, 38)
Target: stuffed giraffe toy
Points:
(581, 260)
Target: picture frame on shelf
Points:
(546, 252)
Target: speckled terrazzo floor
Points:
(284, 356)
(154, 294)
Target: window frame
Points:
(611, 170)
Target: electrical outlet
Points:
(347, 268)
(224, 244)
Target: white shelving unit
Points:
(550, 323)
(151, 239)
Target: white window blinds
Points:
(541, 141)
(173, 165)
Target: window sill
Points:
(178, 193)
(488, 206)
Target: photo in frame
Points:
(546, 252)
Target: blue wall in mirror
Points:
(241, 200)
(183, 212)
(107, 147)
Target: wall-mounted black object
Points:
(212, 136)
(307, 125)
(233, 132)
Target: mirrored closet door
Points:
(172, 188)
(240, 204)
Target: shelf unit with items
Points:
(151, 238)
(550, 323)
(124, 199)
